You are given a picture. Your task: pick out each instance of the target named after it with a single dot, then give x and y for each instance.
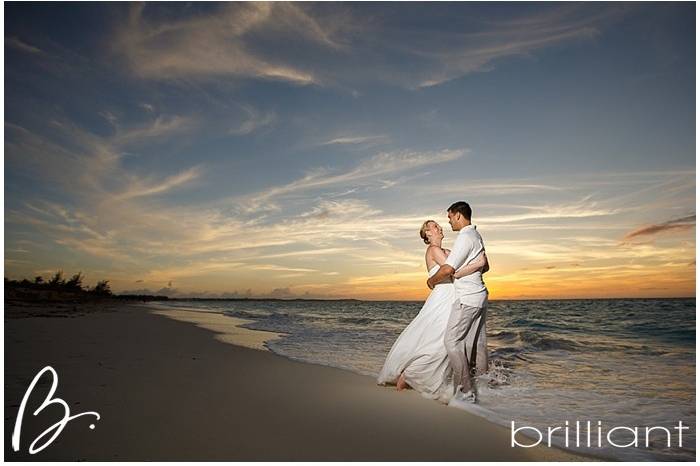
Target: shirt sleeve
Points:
(460, 252)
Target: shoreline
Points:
(231, 333)
(226, 328)
(170, 390)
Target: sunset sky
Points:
(294, 149)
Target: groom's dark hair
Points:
(461, 207)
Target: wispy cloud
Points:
(678, 224)
(317, 179)
(192, 269)
(160, 127)
(581, 209)
(339, 47)
(215, 43)
(253, 121)
(490, 188)
(141, 187)
(305, 253)
(17, 43)
(88, 165)
(74, 159)
(480, 49)
(278, 268)
(205, 241)
(381, 164)
(344, 140)
(110, 117)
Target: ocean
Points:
(623, 362)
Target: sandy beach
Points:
(175, 385)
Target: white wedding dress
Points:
(420, 350)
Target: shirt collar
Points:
(471, 226)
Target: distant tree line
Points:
(142, 297)
(60, 288)
(74, 286)
(58, 283)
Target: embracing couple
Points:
(445, 344)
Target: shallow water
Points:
(624, 362)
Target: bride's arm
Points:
(438, 255)
(480, 262)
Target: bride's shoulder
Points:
(429, 251)
(432, 248)
(436, 252)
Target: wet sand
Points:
(173, 386)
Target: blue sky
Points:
(294, 149)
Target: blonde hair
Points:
(423, 230)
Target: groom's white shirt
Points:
(470, 289)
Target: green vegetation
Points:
(58, 288)
(58, 283)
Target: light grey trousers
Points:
(465, 341)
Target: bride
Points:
(418, 357)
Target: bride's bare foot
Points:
(401, 383)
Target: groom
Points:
(465, 336)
